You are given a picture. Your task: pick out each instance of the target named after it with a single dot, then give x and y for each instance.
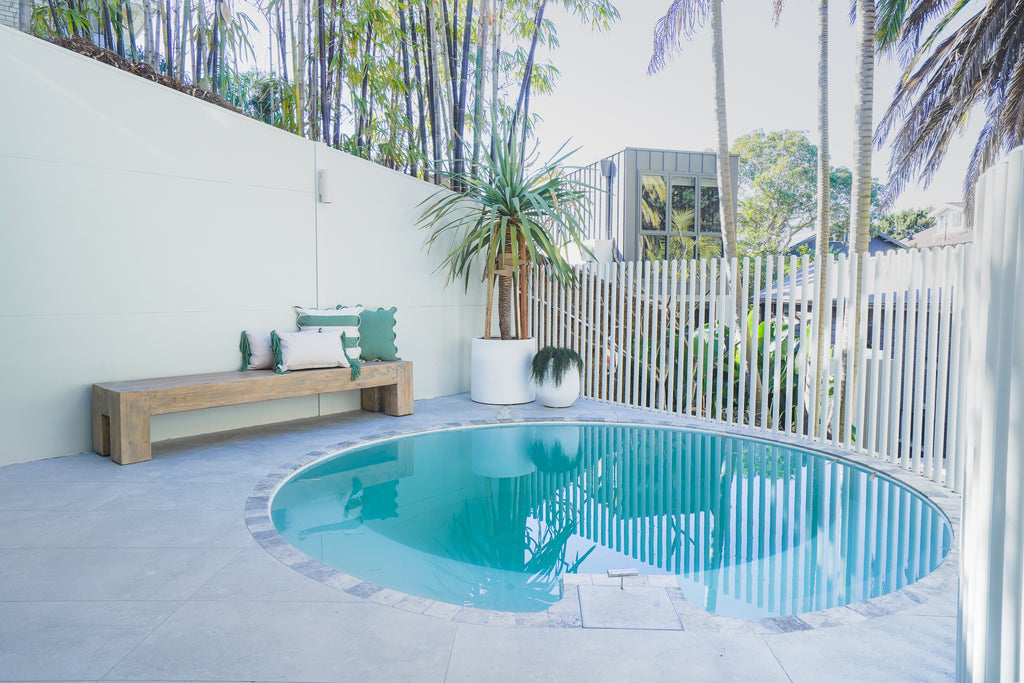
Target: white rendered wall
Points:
(990, 645)
(141, 230)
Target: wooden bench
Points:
(121, 411)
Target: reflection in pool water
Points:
(493, 516)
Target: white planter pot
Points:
(501, 371)
(500, 453)
(560, 395)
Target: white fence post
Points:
(992, 537)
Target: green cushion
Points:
(377, 334)
(334, 320)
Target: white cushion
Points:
(305, 350)
(256, 353)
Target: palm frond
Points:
(680, 22)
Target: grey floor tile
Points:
(293, 642)
(150, 529)
(82, 467)
(164, 495)
(484, 653)
(108, 573)
(72, 640)
(891, 648)
(18, 527)
(254, 575)
(54, 494)
(639, 607)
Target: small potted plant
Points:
(556, 371)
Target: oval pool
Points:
(492, 517)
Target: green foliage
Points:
(510, 201)
(778, 185)
(766, 344)
(556, 360)
(903, 225)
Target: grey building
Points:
(657, 203)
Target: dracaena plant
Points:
(513, 211)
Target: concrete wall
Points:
(142, 230)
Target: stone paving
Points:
(166, 571)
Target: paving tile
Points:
(293, 642)
(58, 495)
(641, 607)
(892, 648)
(252, 574)
(150, 529)
(588, 655)
(108, 573)
(18, 527)
(164, 495)
(78, 640)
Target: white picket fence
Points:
(661, 335)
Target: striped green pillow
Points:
(340, 320)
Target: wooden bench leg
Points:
(100, 421)
(393, 399)
(129, 430)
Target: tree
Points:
(680, 21)
(951, 73)
(903, 225)
(778, 189)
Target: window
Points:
(672, 223)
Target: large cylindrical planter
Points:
(501, 371)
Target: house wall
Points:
(9, 13)
(143, 229)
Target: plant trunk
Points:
(505, 306)
(478, 89)
(432, 94)
(524, 87)
(860, 191)
(131, 30)
(25, 16)
(407, 84)
(183, 38)
(725, 188)
(459, 113)
(168, 38)
(499, 10)
(824, 195)
(419, 86)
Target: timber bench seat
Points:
(121, 411)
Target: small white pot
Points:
(501, 371)
(561, 395)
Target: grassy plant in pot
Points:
(556, 370)
(510, 214)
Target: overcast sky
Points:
(605, 101)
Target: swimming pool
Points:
(493, 517)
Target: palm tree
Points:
(947, 76)
(860, 192)
(680, 21)
(512, 213)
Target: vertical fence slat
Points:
(791, 396)
(920, 344)
(674, 337)
(742, 289)
(714, 321)
(621, 333)
(805, 408)
(753, 365)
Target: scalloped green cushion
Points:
(377, 334)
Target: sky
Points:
(605, 101)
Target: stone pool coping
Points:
(584, 593)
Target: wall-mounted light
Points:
(323, 187)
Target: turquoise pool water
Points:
(492, 517)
